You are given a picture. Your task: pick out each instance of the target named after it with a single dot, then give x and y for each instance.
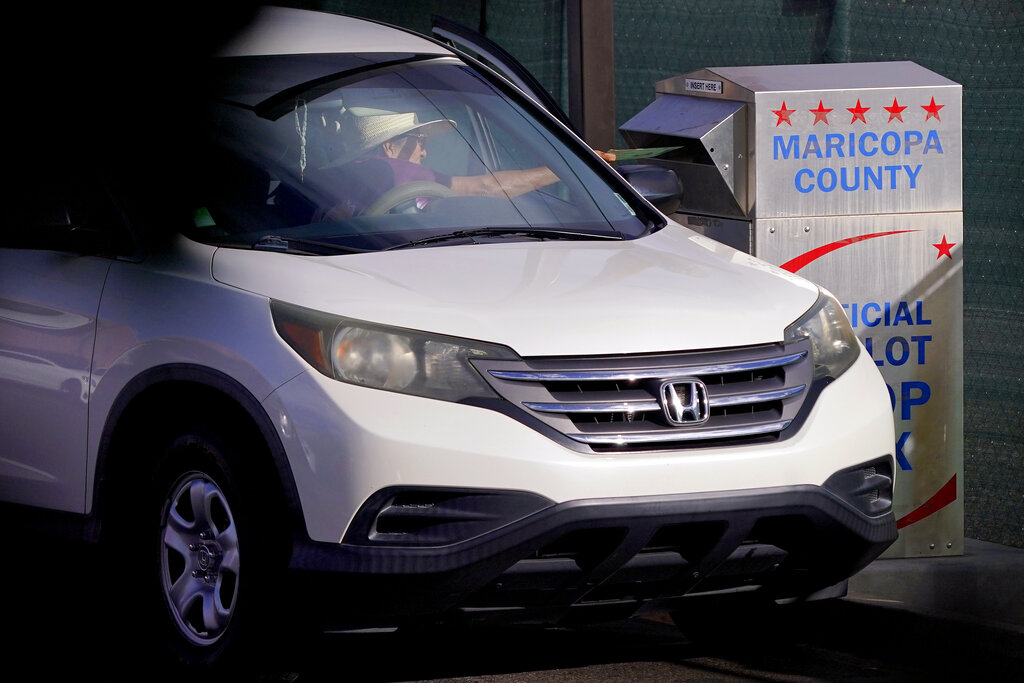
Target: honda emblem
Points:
(685, 402)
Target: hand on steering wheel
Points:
(403, 193)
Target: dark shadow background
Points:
(112, 88)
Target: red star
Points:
(820, 114)
(895, 111)
(944, 248)
(932, 109)
(783, 115)
(858, 112)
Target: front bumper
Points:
(345, 443)
(514, 557)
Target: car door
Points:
(50, 288)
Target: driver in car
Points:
(385, 150)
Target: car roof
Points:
(287, 31)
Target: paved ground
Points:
(903, 620)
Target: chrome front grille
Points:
(661, 401)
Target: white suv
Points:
(499, 386)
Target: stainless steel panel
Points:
(713, 132)
(739, 82)
(900, 279)
(735, 233)
(848, 152)
(841, 139)
(682, 116)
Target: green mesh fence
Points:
(659, 39)
(981, 46)
(977, 43)
(532, 30)
(411, 14)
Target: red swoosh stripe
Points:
(942, 498)
(799, 262)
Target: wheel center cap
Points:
(204, 558)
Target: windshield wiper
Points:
(278, 243)
(534, 233)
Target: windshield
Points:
(397, 154)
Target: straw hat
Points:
(363, 129)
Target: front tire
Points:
(200, 561)
(220, 548)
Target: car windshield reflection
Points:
(394, 155)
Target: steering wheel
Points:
(403, 193)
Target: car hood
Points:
(673, 290)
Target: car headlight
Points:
(383, 357)
(834, 346)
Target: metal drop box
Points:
(850, 175)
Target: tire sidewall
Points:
(215, 454)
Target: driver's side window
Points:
(510, 153)
(459, 153)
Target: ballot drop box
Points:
(849, 175)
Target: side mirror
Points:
(658, 185)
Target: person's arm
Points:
(504, 183)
